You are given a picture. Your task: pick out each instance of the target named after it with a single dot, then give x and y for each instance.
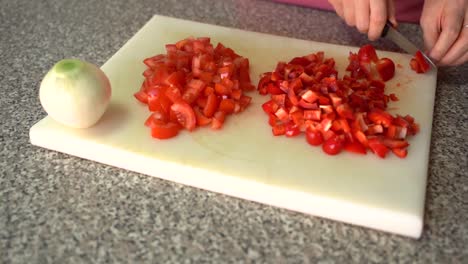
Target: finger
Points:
(338, 6)
(458, 49)
(430, 27)
(391, 13)
(362, 15)
(348, 11)
(451, 26)
(378, 17)
(461, 60)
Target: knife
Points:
(394, 35)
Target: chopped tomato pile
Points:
(419, 64)
(194, 84)
(306, 96)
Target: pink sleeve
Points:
(406, 10)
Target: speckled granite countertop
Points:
(56, 208)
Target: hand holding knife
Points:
(394, 35)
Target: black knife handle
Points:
(386, 27)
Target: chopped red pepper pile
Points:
(193, 84)
(306, 96)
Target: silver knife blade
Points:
(394, 35)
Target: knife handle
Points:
(386, 27)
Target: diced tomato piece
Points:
(206, 77)
(221, 89)
(332, 146)
(192, 91)
(218, 120)
(176, 79)
(141, 96)
(162, 130)
(202, 120)
(227, 106)
(157, 116)
(211, 105)
(185, 114)
(173, 94)
(152, 61)
(244, 101)
(236, 94)
(386, 69)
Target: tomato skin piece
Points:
(185, 114)
(332, 146)
(162, 130)
(386, 69)
(314, 137)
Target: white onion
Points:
(75, 93)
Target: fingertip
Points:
(372, 36)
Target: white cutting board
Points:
(244, 159)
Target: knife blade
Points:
(394, 35)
